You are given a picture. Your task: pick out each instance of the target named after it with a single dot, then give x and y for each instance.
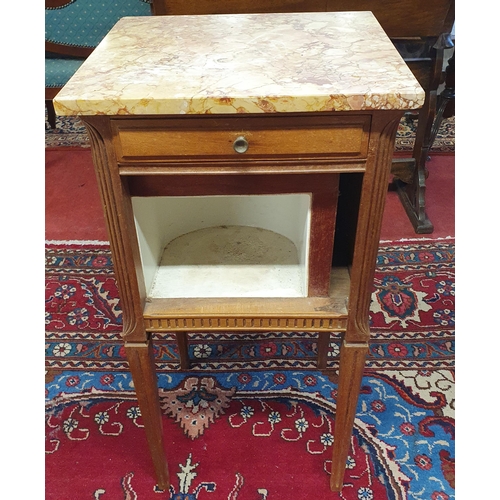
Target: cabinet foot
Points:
(352, 364)
(141, 362)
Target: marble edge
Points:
(82, 107)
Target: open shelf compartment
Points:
(224, 246)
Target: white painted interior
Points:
(161, 220)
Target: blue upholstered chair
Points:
(73, 28)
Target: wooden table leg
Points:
(323, 347)
(141, 362)
(182, 345)
(352, 363)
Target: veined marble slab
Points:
(242, 63)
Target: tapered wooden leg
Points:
(352, 363)
(323, 346)
(141, 362)
(182, 345)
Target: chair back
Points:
(75, 27)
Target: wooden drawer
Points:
(197, 138)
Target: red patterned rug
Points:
(412, 317)
(261, 425)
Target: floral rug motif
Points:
(70, 132)
(196, 403)
(253, 412)
(273, 440)
(443, 143)
(412, 318)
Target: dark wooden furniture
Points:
(419, 29)
(164, 130)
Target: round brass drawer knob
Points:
(240, 144)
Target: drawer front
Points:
(240, 138)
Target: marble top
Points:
(242, 63)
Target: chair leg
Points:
(412, 191)
(446, 100)
(51, 113)
(412, 194)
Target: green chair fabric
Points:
(59, 69)
(81, 23)
(84, 23)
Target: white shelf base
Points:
(229, 261)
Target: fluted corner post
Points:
(355, 345)
(120, 223)
(119, 217)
